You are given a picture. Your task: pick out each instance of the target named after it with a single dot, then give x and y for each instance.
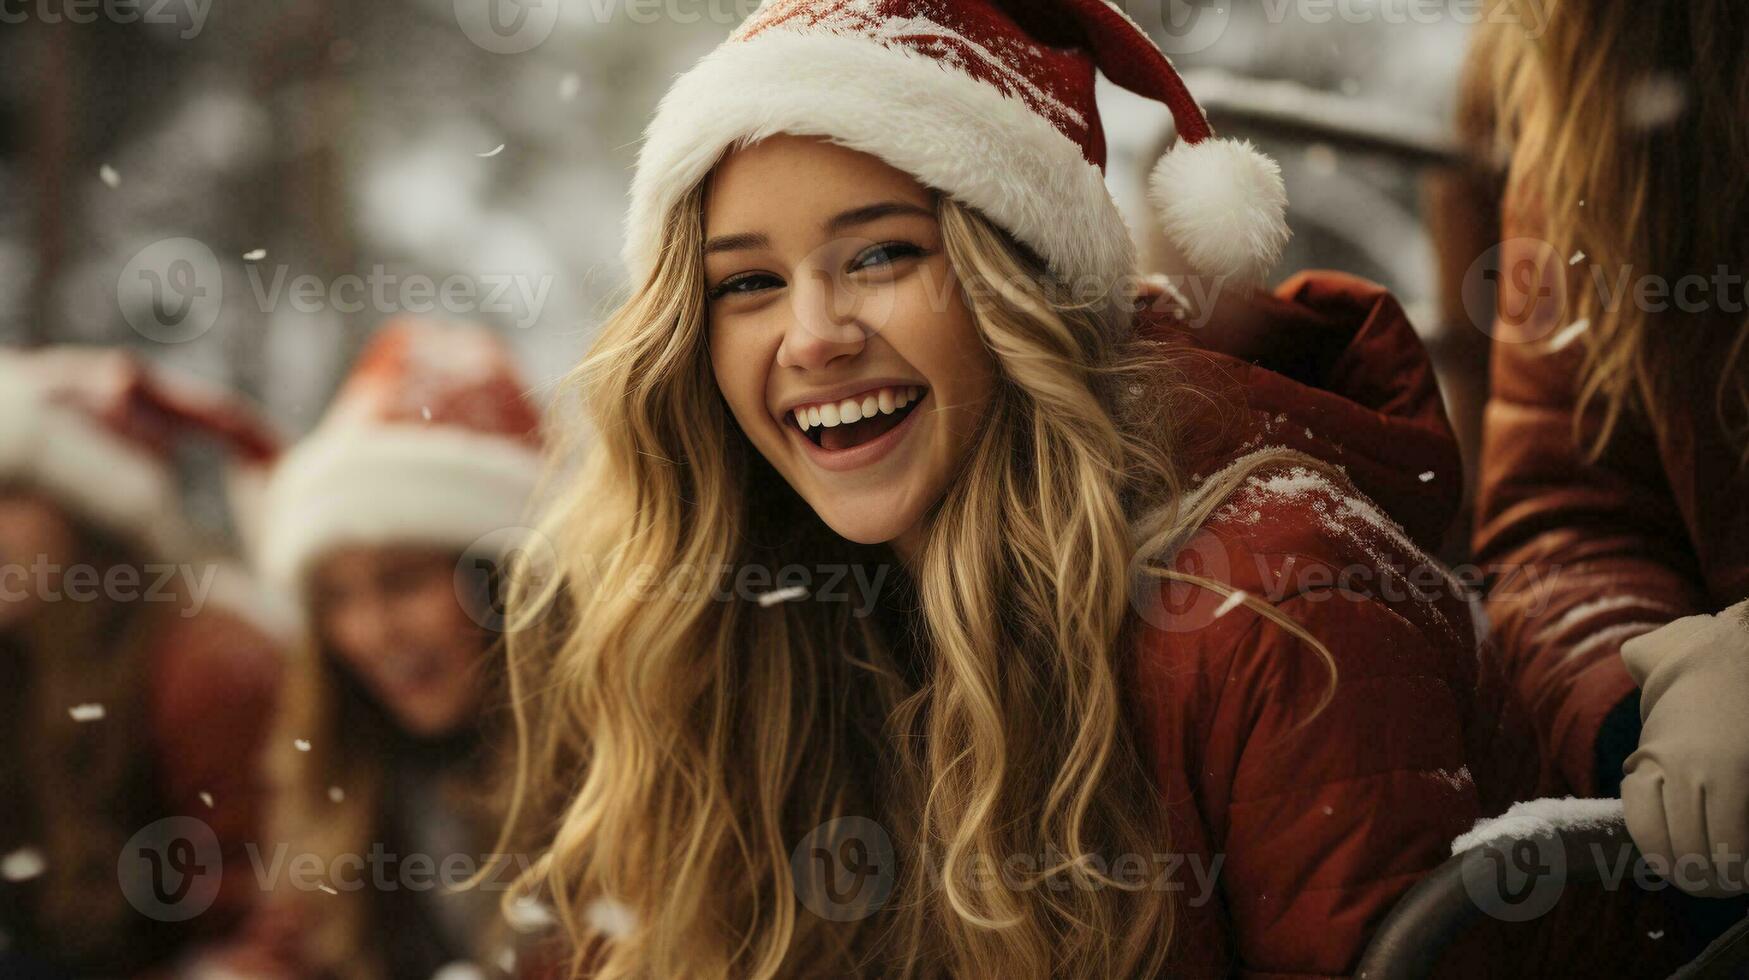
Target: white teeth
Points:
(884, 401)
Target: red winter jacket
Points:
(215, 687)
(212, 676)
(1319, 819)
(1592, 554)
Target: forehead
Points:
(355, 560)
(795, 176)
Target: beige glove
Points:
(1687, 786)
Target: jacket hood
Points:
(1329, 365)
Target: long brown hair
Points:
(1626, 124)
(76, 792)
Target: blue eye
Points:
(746, 282)
(886, 253)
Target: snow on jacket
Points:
(1320, 819)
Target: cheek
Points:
(741, 357)
(934, 331)
(339, 631)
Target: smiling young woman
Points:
(883, 316)
(387, 524)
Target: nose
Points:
(824, 324)
(363, 626)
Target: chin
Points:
(431, 724)
(863, 532)
(868, 522)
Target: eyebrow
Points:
(844, 219)
(872, 212)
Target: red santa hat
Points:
(96, 429)
(431, 440)
(991, 102)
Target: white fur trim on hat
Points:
(98, 476)
(391, 484)
(1222, 206)
(949, 130)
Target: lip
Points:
(839, 393)
(856, 457)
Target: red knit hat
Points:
(431, 440)
(988, 101)
(96, 429)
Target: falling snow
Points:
(1569, 333)
(22, 865)
(86, 712)
(1655, 101)
(610, 918)
(783, 595)
(1230, 603)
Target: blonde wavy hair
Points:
(1626, 125)
(675, 748)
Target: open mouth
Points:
(837, 426)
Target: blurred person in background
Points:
(1616, 449)
(134, 686)
(882, 332)
(387, 524)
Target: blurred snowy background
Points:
(334, 163)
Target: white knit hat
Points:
(431, 440)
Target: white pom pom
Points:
(1223, 206)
